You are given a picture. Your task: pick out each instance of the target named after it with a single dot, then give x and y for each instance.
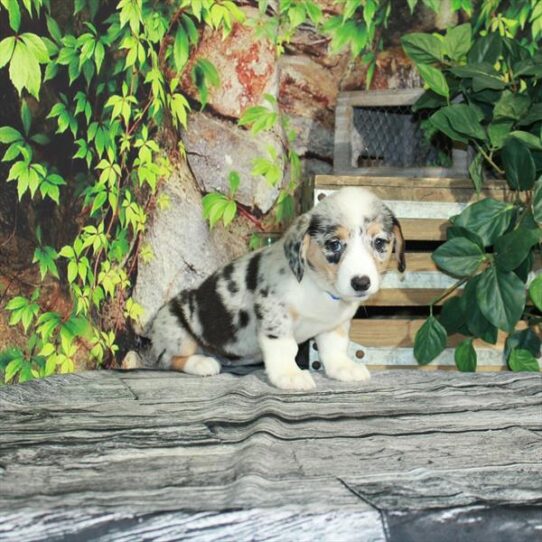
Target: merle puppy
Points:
(307, 285)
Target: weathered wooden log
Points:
(146, 455)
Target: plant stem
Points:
(448, 291)
(488, 158)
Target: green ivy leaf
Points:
(523, 360)
(465, 356)
(14, 14)
(430, 341)
(180, 49)
(459, 257)
(501, 298)
(9, 135)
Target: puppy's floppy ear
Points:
(399, 244)
(295, 245)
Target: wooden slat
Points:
(417, 189)
(424, 229)
(405, 297)
(419, 261)
(395, 333)
(389, 98)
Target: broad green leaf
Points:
(523, 360)
(530, 140)
(459, 257)
(511, 106)
(484, 77)
(463, 119)
(488, 218)
(512, 248)
(434, 79)
(486, 49)
(525, 339)
(422, 48)
(501, 298)
(457, 41)
(430, 341)
(453, 315)
(477, 324)
(535, 291)
(476, 172)
(498, 132)
(518, 165)
(465, 356)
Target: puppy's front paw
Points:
(201, 365)
(347, 371)
(292, 380)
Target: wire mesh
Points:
(394, 136)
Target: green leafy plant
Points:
(486, 93)
(108, 78)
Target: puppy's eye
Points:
(380, 244)
(334, 245)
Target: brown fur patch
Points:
(374, 229)
(178, 363)
(342, 233)
(342, 330)
(317, 260)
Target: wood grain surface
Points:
(155, 455)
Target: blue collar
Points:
(335, 298)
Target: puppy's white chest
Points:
(319, 312)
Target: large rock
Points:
(393, 70)
(215, 147)
(246, 64)
(306, 87)
(185, 251)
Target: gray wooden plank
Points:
(214, 452)
(66, 389)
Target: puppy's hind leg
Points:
(176, 349)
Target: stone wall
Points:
(306, 81)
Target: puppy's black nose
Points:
(360, 284)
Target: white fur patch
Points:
(201, 365)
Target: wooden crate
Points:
(382, 100)
(423, 206)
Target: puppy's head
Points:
(345, 243)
